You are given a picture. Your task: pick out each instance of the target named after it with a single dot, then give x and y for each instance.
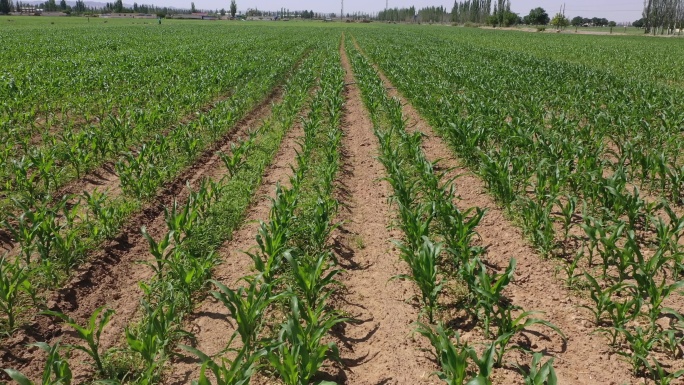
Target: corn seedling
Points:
(55, 372)
(14, 281)
(299, 353)
(603, 298)
(160, 250)
(90, 334)
(227, 372)
(423, 265)
(538, 374)
(247, 307)
(312, 278)
(453, 359)
(489, 292)
(509, 327)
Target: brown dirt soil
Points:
(112, 275)
(211, 322)
(379, 347)
(585, 358)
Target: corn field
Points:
(304, 204)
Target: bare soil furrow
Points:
(378, 347)
(585, 358)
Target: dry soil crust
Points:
(584, 358)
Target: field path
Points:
(585, 357)
(379, 349)
(111, 276)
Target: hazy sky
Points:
(618, 10)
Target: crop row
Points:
(54, 238)
(38, 170)
(183, 259)
(548, 166)
(440, 248)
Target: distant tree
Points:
(63, 5)
(233, 8)
(118, 6)
(612, 24)
(223, 12)
(5, 6)
(192, 7)
(80, 6)
(537, 16)
(577, 21)
(639, 23)
(560, 21)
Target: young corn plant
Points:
(14, 282)
(312, 278)
(106, 218)
(655, 292)
(423, 265)
(247, 306)
(238, 371)
(538, 374)
(485, 364)
(603, 298)
(661, 376)
(236, 157)
(181, 220)
(90, 334)
(55, 372)
(299, 353)
(489, 293)
(453, 359)
(640, 342)
(508, 327)
(161, 250)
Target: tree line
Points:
(662, 16)
(79, 7)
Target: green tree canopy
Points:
(560, 21)
(537, 16)
(5, 6)
(233, 8)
